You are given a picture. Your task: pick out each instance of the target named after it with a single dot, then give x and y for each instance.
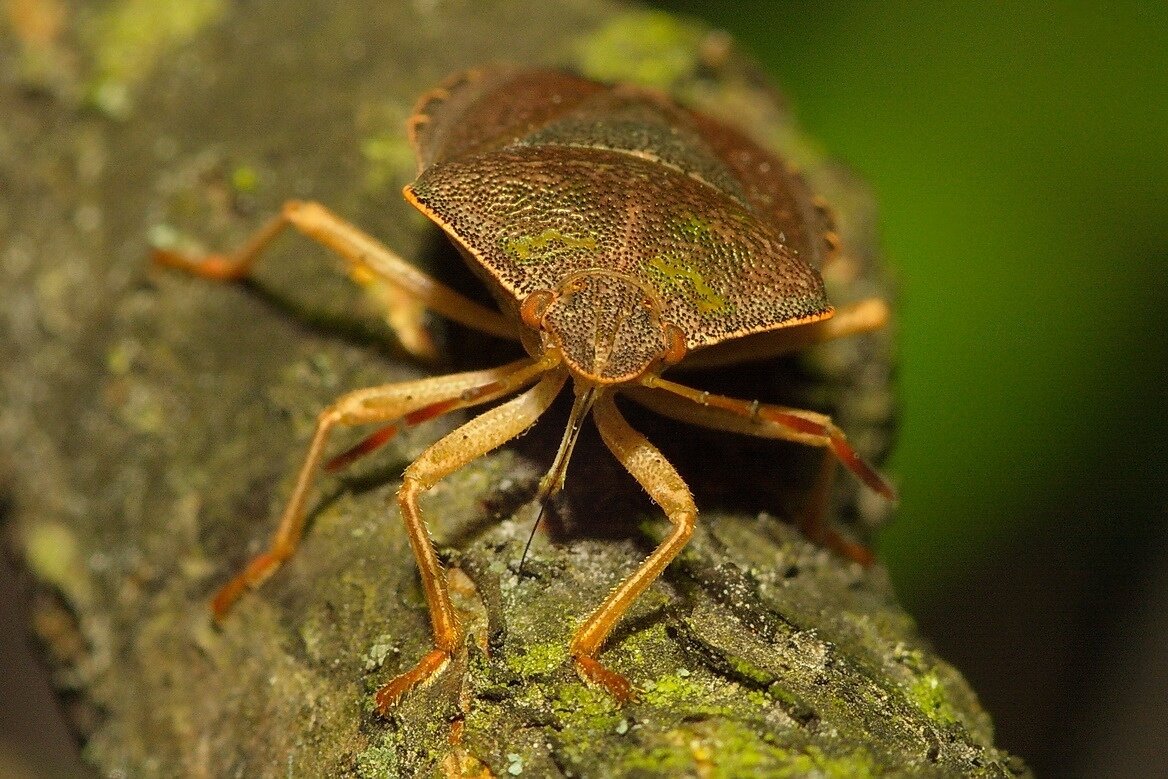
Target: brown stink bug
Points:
(621, 235)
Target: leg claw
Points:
(213, 266)
(610, 681)
(259, 569)
(421, 673)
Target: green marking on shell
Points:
(695, 228)
(684, 278)
(548, 244)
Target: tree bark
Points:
(153, 423)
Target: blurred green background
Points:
(1019, 154)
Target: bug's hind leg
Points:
(663, 483)
(405, 403)
(474, 439)
(861, 316)
(404, 289)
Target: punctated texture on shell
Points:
(776, 192)
(629, 119)
(486, 109)
(491, 108)
(533, 215)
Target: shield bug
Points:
(621, 235)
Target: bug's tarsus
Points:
(428, 667)
(861, 467)
(814, 524)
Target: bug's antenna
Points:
(553, 480)
(531, 537)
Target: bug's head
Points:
(607, 325)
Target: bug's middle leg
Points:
(663, 483)
(480, 435)
(767, 420)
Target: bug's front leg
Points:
(469, 442)
(405, 401)
(663, 483)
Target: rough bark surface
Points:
(151, 425)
